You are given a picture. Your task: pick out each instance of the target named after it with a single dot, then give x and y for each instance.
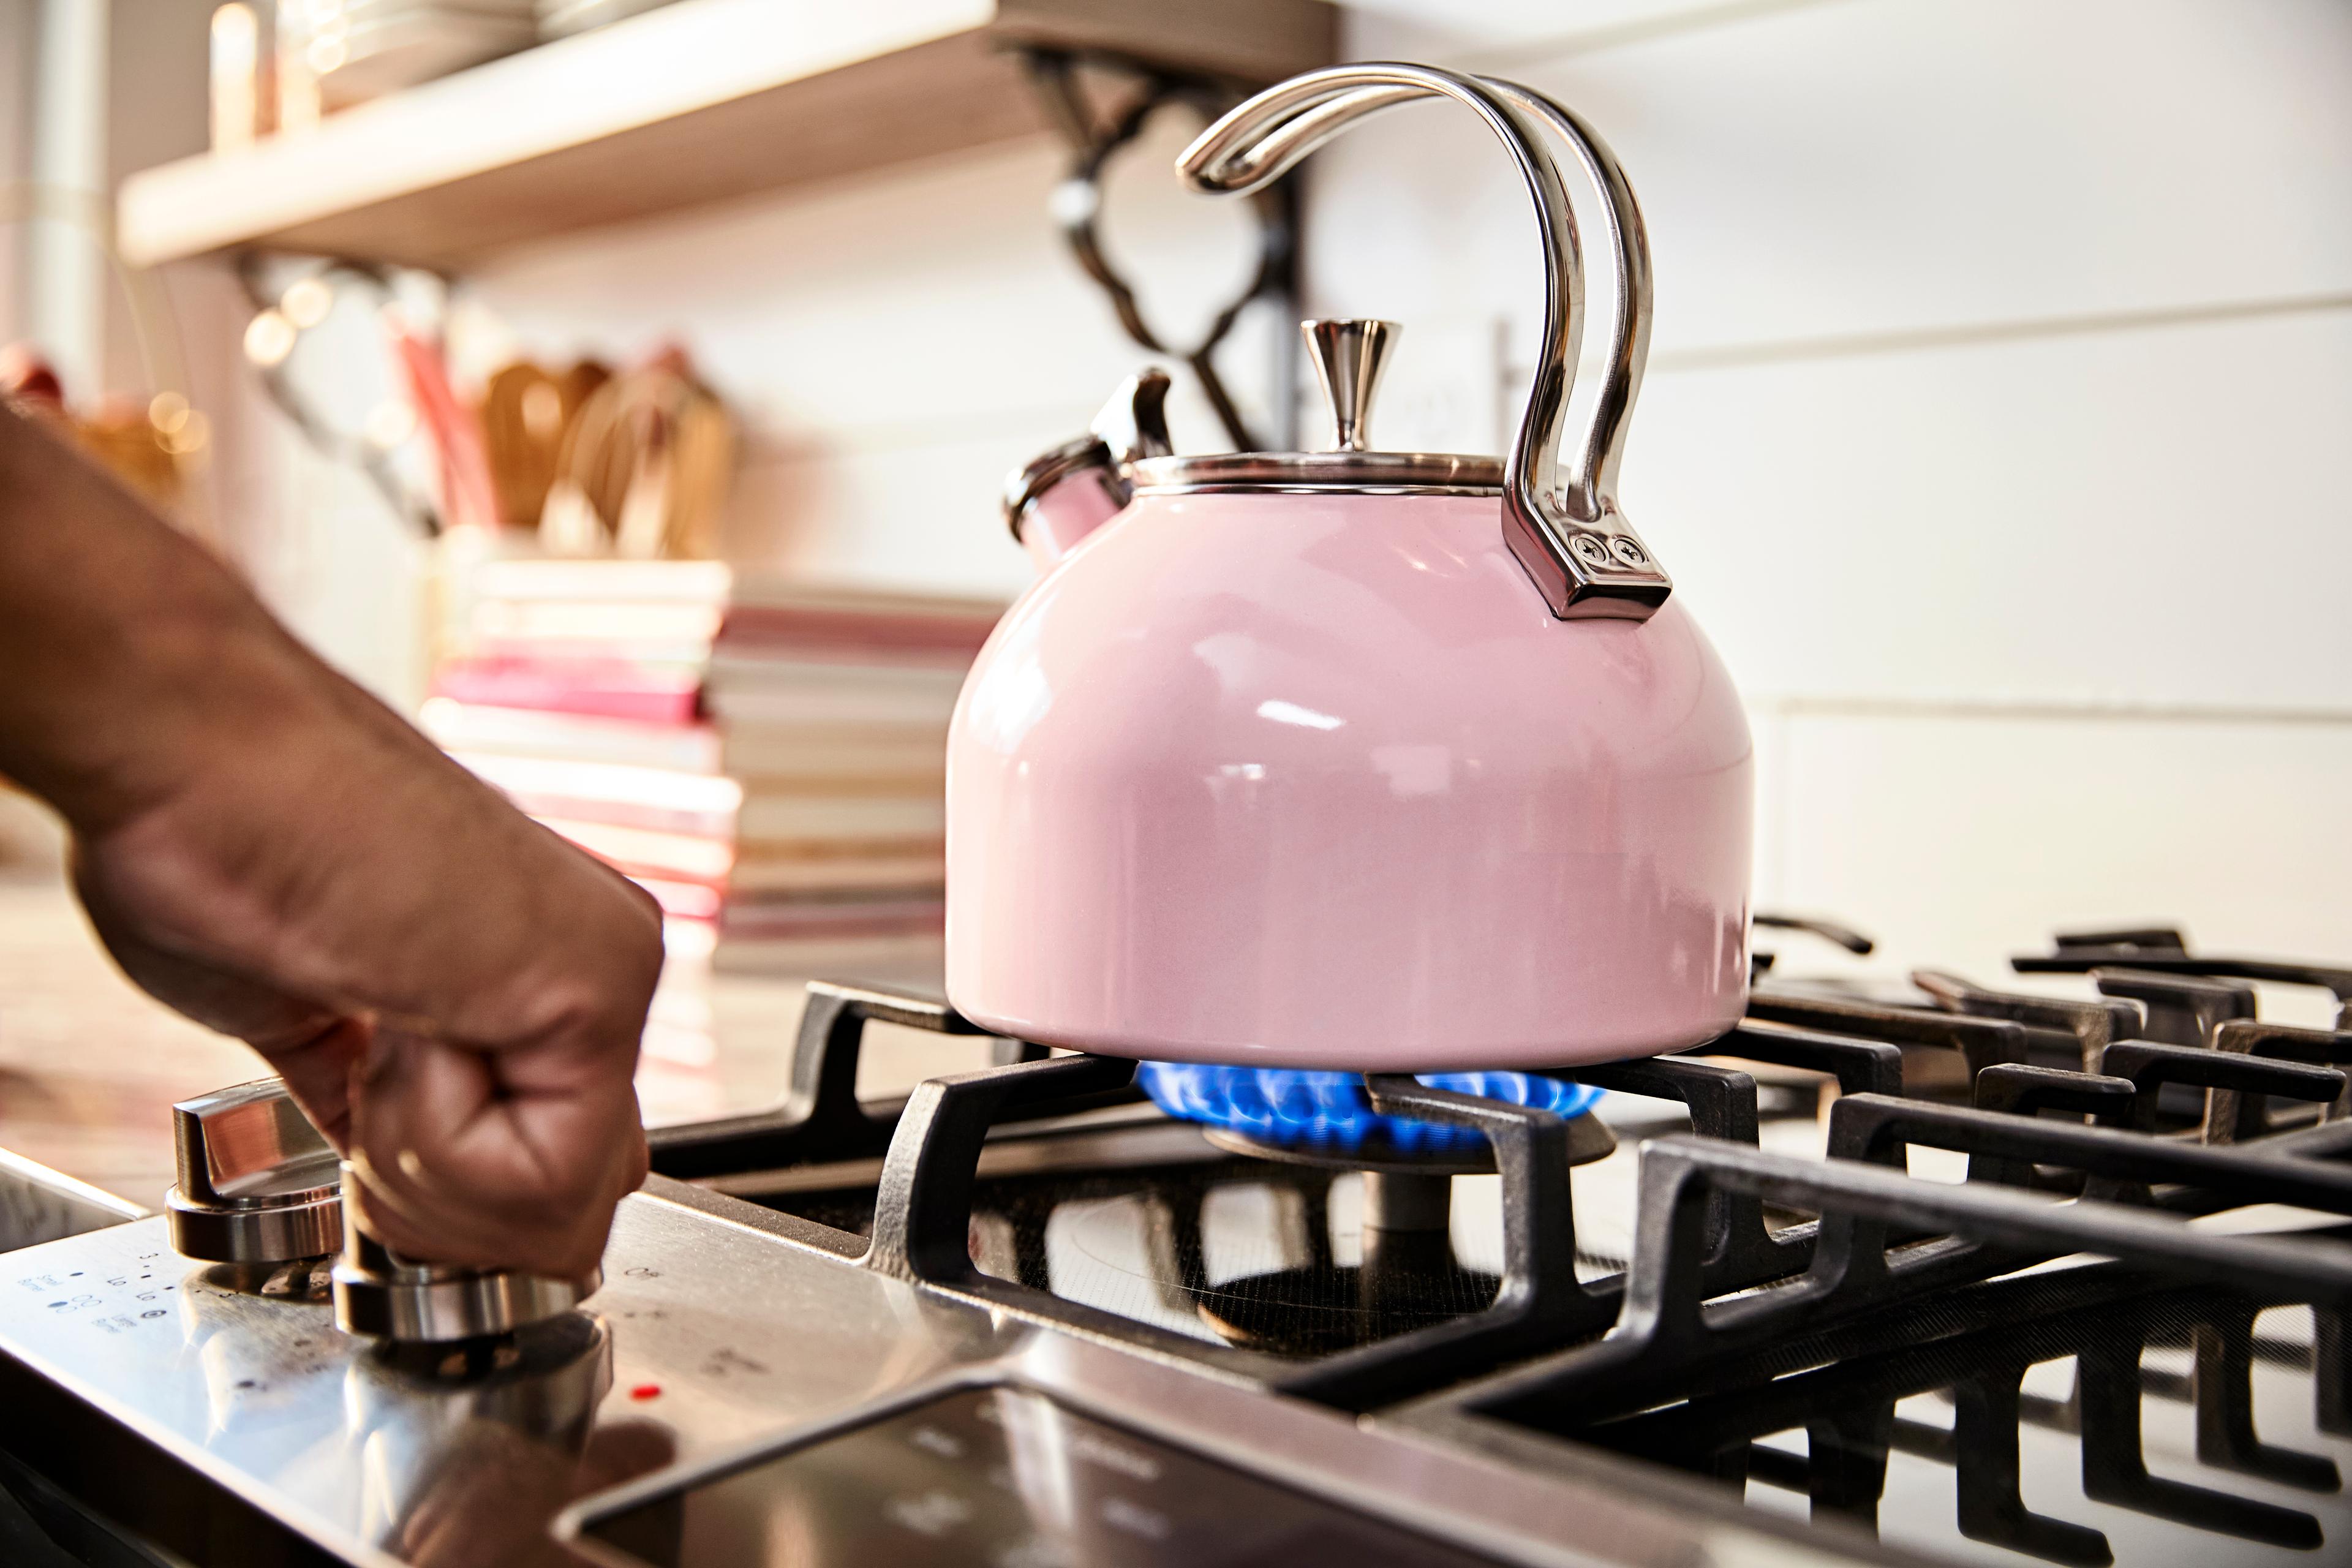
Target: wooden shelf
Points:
(696, 102)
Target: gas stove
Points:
(1931, 1272)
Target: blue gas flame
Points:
(1331, 1109)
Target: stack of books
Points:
(766, 757)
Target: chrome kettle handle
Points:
(1569, 534)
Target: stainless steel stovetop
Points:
(718, 1339)
(1025, 1319)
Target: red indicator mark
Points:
(646, 1391)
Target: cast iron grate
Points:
(933, 1192)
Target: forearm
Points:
(127, 652)
(452, 993)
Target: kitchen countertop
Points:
(89, 1064)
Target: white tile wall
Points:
(2145, 517)
(2004, 359)
(1872, 166)
(1960, 838)
(1491, 31)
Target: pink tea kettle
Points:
(1354, 759)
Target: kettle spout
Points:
(1059, 497)
(1065, 494)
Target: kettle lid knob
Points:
(1349, 358)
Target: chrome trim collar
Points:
(1370, 473)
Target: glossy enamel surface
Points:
(1317, 781)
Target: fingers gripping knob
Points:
(380, 1293)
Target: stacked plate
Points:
(360, 49)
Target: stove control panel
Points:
(999, 1475)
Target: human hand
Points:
(452, 993)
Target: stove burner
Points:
(1409, 1277)
(1328, 1113)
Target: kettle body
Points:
(1355, 759)
(1317, 781)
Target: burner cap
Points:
(1326, 1117)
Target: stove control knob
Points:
(257, 1184)
(380, 1293)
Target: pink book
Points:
(613, 688)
